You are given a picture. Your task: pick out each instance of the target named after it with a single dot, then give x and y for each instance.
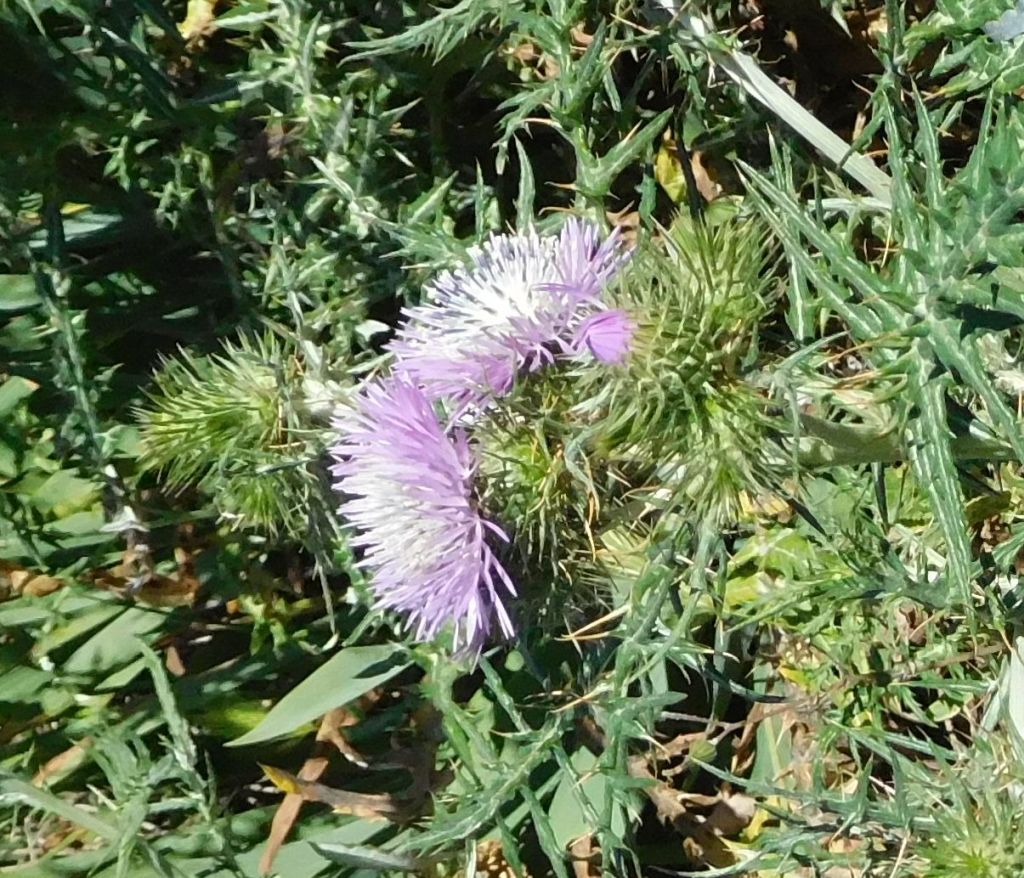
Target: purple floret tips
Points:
(608, 335)
(505, 313)
(407, 486)
(586, 263)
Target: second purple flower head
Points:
(507, 312)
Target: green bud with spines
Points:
(234, 424)
(584, 458)
(695, 298)
(680, 407)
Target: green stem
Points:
(53, 284)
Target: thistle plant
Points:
(468, 462)
(979, 839)
(409, 475)
(680, 404)
(529, 477)
(549, 392)
(694, 300)
(547, 488)
(776, 508)
(975, 822)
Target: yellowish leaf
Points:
(200, 20)
(371, 805)
(794, 675)
(668, 171)
(756, 825)
(283, 780)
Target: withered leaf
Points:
(369, 805)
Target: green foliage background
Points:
(211, 215)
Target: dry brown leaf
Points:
(586, 858)
(663, 797)
(330, 731)
(627, 221)
(164, 591)
(580, 37)
(312, 770)
(418, 760)
(529, 55)
(287, 812)
(61, 765)
(379, 806)
(39, 586)
(699, 800)
(731, 815)
(705, 175)
(525, 53)
(700, 843)
(172, 661)
(133, 577)
(681, 744)
(491, 862)
(20, 581)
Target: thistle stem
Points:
(53, 284)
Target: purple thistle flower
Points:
(509, 311)
(608, 335)
(586, 263)
(408, 487)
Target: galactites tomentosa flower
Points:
(407, 483)
(511, 310)
(408, 476)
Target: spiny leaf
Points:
(949, 345)
(928, 445)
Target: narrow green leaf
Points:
(524, 201)
(14, 790)
(906, 213)
(597, 181)
(581, 788)
(181, 739)
(362, 857)
(81, 619)
(427, 205)
(247, 17)
(1013, 700)
(545, 835)
(796, 228)
(117, 643)
(349, 674)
